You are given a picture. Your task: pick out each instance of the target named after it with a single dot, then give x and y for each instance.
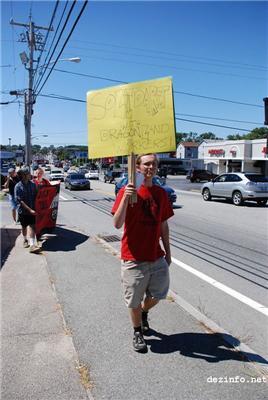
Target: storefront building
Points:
(236, 156)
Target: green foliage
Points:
(235, 137)
(207, 135)
(256, 133)
(194, 137)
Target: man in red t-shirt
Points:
(145, 265)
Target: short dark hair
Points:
(24, 170)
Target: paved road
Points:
(227, 244)
(182, 355)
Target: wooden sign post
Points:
(132, 175)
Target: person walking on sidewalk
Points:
(145, 265)
(25, 195)
(9, 186)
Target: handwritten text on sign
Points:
(136, 118)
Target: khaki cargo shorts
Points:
(140, 278)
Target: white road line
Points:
(195, 193)
(244, 299)
(63, 198)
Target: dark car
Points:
(76, 181)
(110, 176)
(198, 175)
(156, 181)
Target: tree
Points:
(36, 148)
(235, 137)
(207, 135)
(257, 133)
(180, 136)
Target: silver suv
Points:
(237, 186)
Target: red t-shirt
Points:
(42, 183)
(142, 227)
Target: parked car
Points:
(237, 186)
(156, 181)
(76, 181)
(47, 168)
(92, 174)
(56, 175)
(197, 175)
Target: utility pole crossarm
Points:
(28, 25)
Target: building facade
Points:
(236, 156)
(187, 150)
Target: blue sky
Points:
(214, 49)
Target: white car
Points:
(56, 175)
(72, 170)
(238, 186)
(92, 174)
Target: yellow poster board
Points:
(135, 118)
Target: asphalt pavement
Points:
(65, 332)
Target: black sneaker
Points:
(144, 322)
(139, 342)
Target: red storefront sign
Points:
(216, 152)
(46, 206)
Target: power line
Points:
(174, 67)
(169, 53)
(181, 119)
(49, 50)
(218, 99)
(65, 43)
(60, 97)
(60, 133)
(48, 32)
(54, 96)
(220, 126)
(220, 119)
(46, 66)
(175, 91)
(192, 59)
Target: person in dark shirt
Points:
(9, 186)
(25, 195)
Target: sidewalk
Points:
(42, 350)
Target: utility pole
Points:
(35, 42)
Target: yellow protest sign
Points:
(134, 118)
